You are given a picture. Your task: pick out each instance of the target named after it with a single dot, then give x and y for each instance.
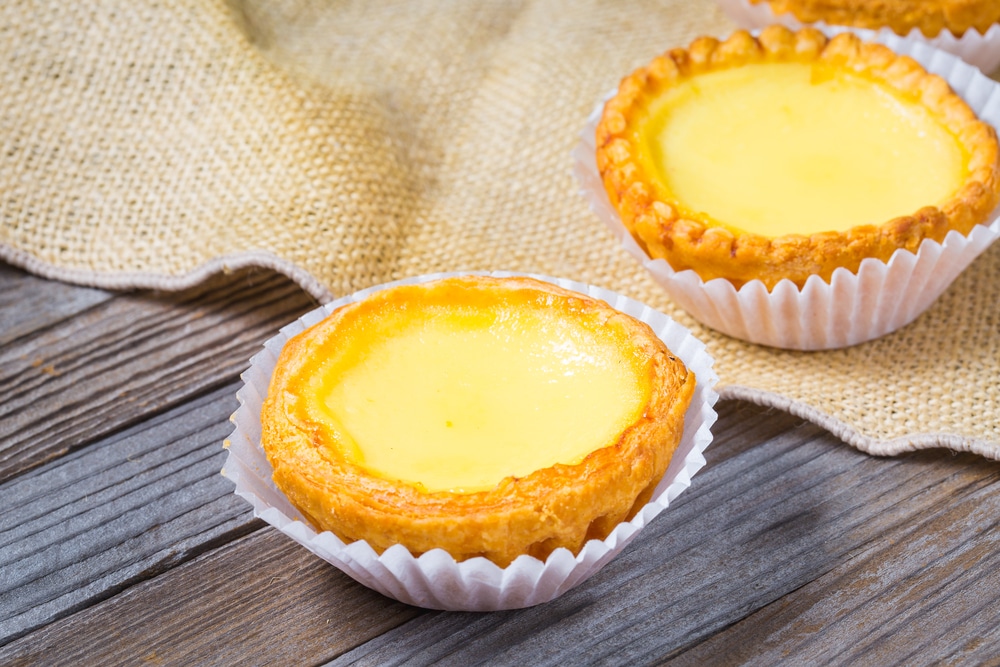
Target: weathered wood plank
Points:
(82, 528)
(29, 304)
(296, 621)
(902, 599)
(132, 356)
(261, 600)
(754, 528)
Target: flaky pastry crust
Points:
(901, 16)
(559, 506)
(689, 241)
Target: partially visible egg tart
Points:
(901, 16)
(790, 155)
(485, 416)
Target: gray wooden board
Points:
(788, 519)
(94, 522)
(128, 357)
(260, 600)
(789, 545)
(903, 598)
(29, 304)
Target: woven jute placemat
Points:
(347, 144)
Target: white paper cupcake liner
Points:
(976, 48)
(435, 580)
(852, 308)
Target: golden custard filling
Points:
(457, 397)
(799, 148)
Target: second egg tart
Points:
(485, 416)
(791, 155)
(929, 16)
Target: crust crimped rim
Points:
(559, 506)
(900, 16)
(657, 221)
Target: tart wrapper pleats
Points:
(852, 308)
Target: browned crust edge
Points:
(660, 225)
(901, 16)
(560, 506)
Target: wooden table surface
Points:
(120, 542)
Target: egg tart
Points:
(930, 17)
(791, 155)
(484, 416)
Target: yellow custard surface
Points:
(799, 148)
(455, 394)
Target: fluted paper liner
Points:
(435, 580)
(852, 308)
(979, 49)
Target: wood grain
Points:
(756, 528)
(126, 358)
(261, 600)
(119, 511)
(30, 305)
(901, 598)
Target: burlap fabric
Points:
(351, 143)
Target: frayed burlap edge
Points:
(892, 447)
(129, 280)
